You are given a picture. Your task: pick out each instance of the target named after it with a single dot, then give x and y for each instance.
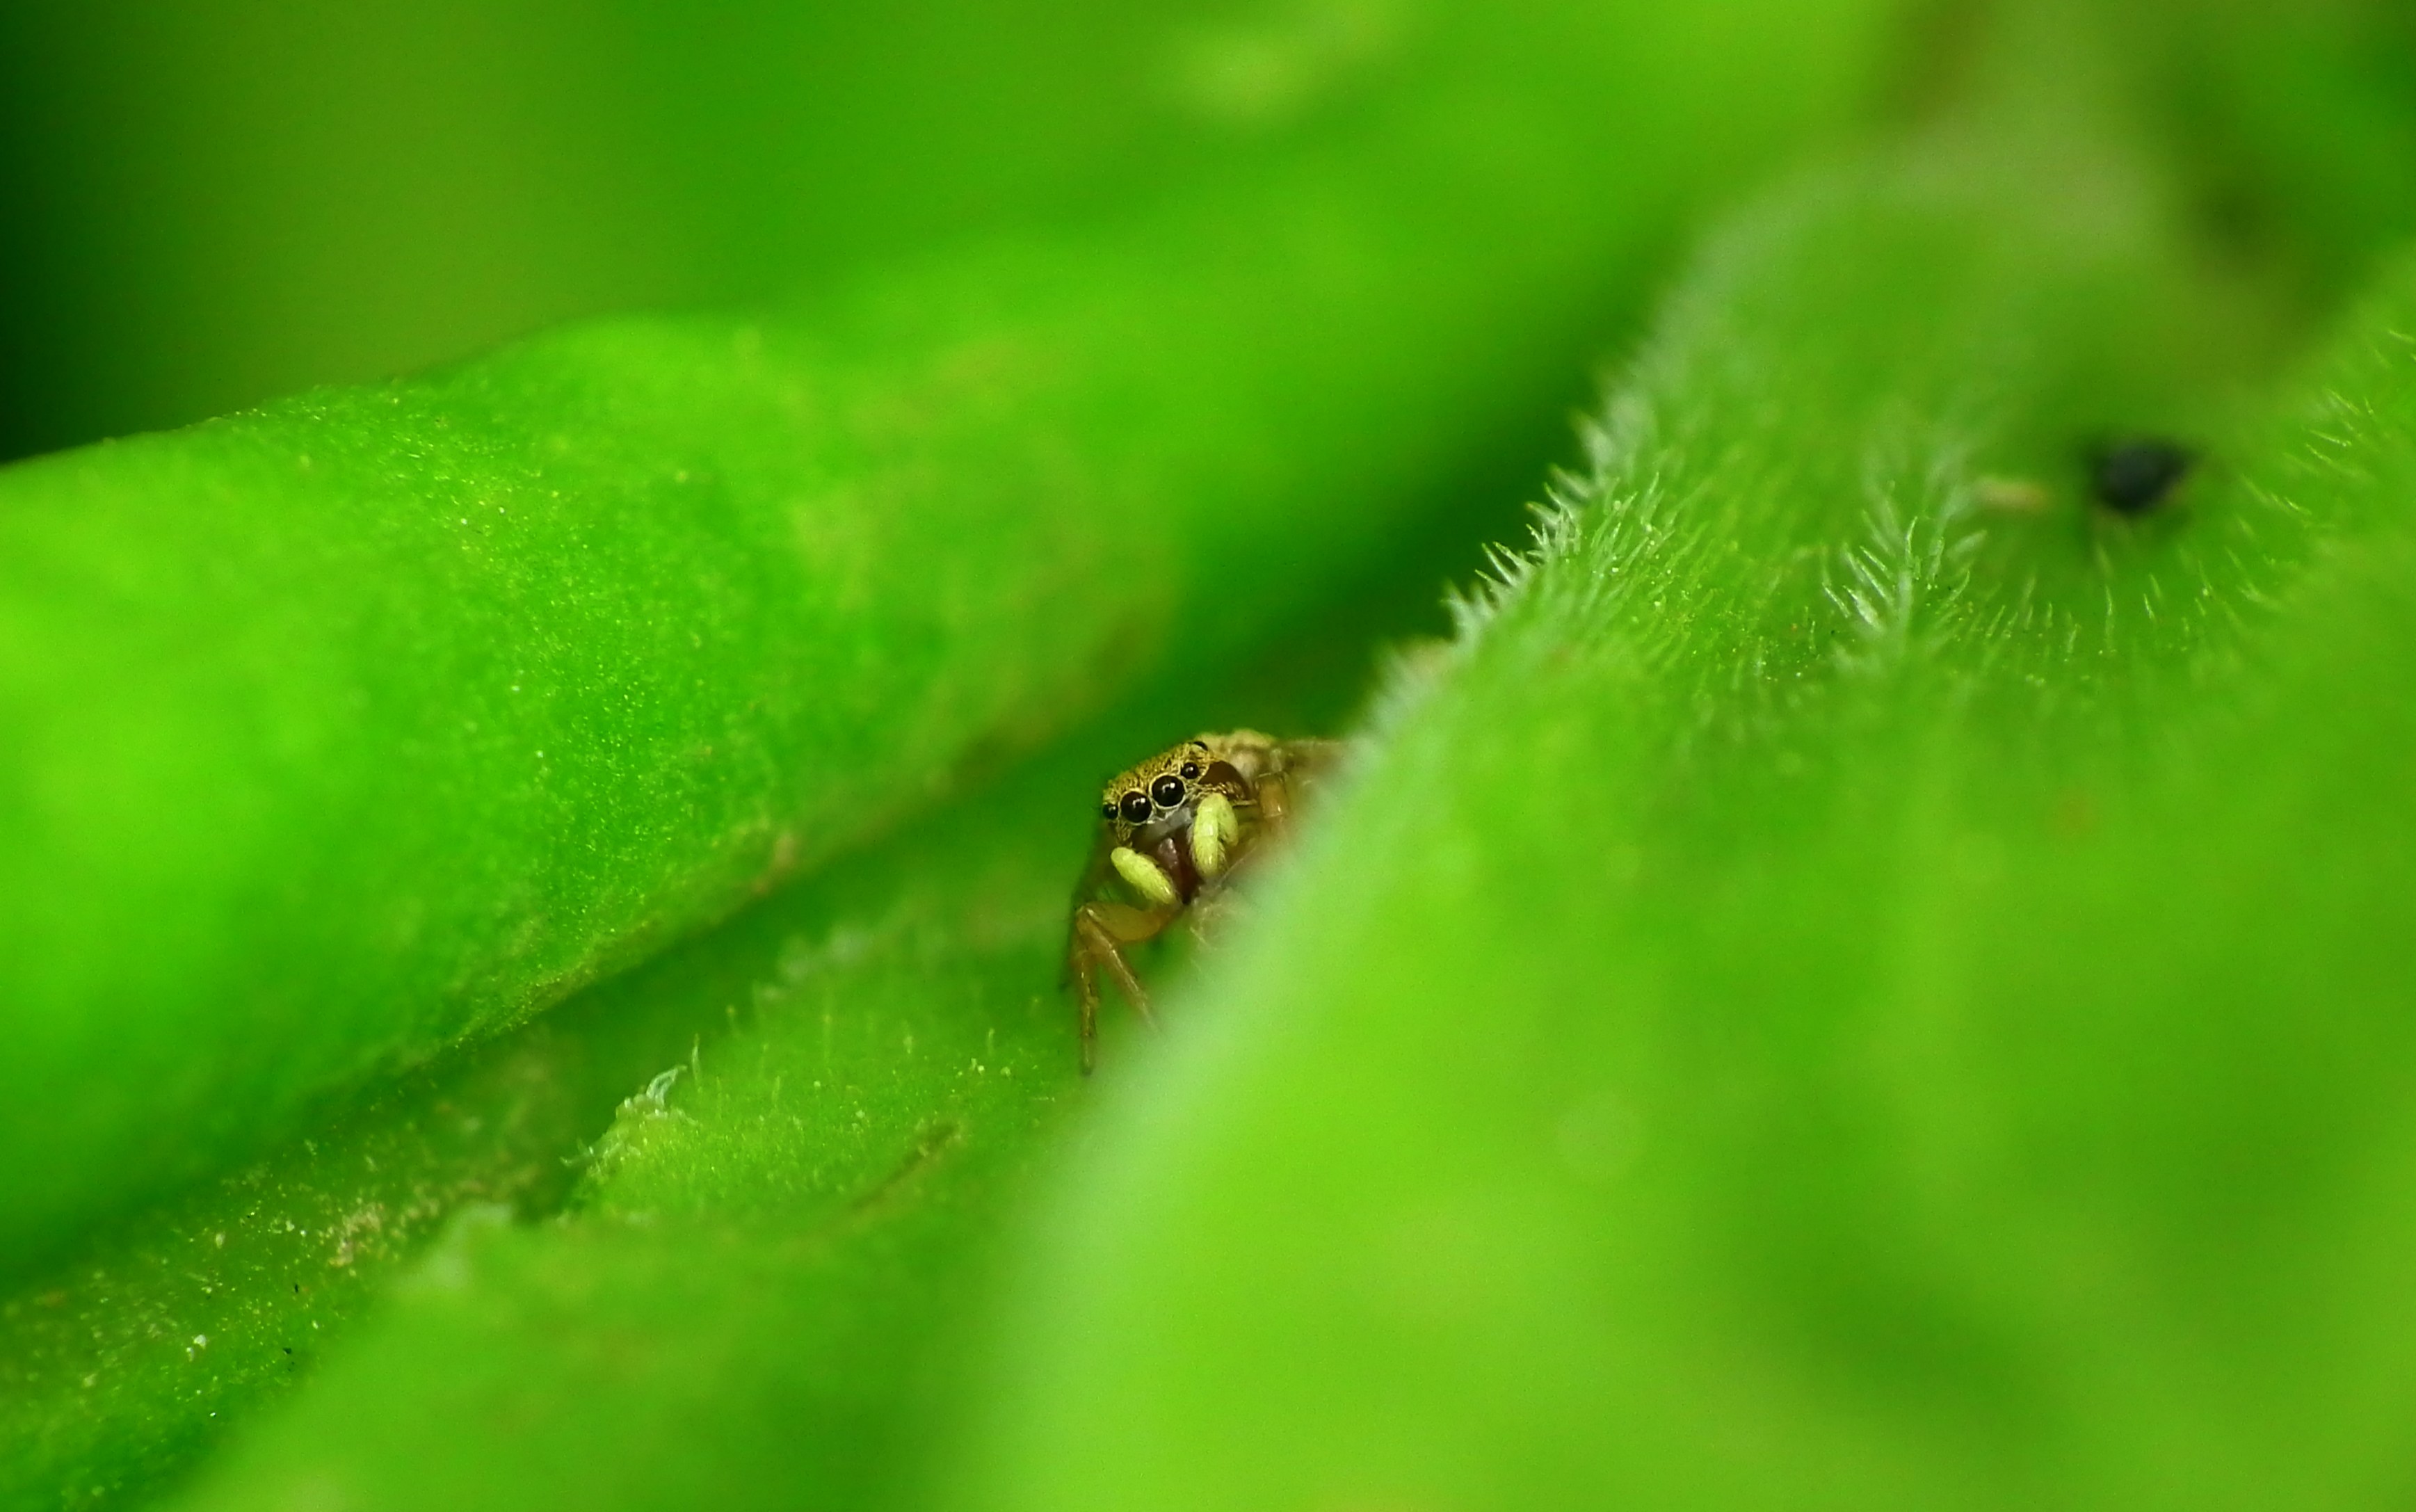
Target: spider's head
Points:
(1156, 799)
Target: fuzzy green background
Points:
(1842, 971)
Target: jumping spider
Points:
(1175, 830)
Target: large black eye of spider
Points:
(1136, 807)
(2133, 477)
(1167, 790)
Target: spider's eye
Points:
(1190, 770)
(1108, 810)
(1167, 790)
(1136, 807)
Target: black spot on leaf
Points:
(2135, 476)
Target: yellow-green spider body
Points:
(1173, 833)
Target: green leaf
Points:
(2298, 124)
(930, 517)
(762, 1292)
(121, 1366)
(1861, 977)
(212, 205)
(381, 719)
(1836, 994)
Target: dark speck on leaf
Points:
(2135, 476)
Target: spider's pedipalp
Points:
(1214, 827)
(1145, 877)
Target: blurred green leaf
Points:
(754, 588)
(1865, 980)
(761, 1293)
(215, 201)
(105, 1395)
(122, 1365)
(382, 718)
(1861, 977)
(2297, 123)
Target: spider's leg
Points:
(1106, 927)
(1100, 932)
(1080, 966)
(1274, 795)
